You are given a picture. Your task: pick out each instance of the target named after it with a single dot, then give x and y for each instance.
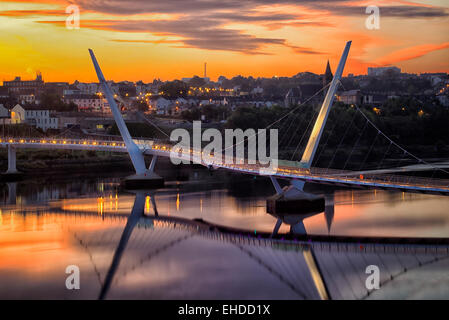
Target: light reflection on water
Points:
(47, 227)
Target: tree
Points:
(54, 102)
(174, 89)
(197, 82)
(191, 114)
(140, 105)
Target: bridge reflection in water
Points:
(307, 266)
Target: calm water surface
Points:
(47, 225)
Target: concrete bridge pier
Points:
(11, 160)
(294, 201)
(12, 192)
(291, 205)
(146, 180)
(329, 210)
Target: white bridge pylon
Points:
(134, 152)
(317, 131)
(318, 128)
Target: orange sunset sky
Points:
(169, 39)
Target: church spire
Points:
(327, 78)
(328, 74)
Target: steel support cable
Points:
(154, 125)
(303, 135)
(383, 158)
(85, 246)
(398, 146)
(284, 135)
(394, 143)
(269, 254)
(330, 280)
(355, 145)
(150, 255)
(342, 272)
(351, 263)
(328, 138)
(281, 118)
(341, 141)
(299, 125)
(296, 131)
(272, 271)
(286, 268)
(370, 149)
(401, 159)
(390, 272)
(405, 270)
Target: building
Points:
(34, 116)
(205, 77)
(4, 112)
(18, 86)
(375, 72)
(351, 97)
(28, 99)
(374, 99)
(56, 88)
(65, 122)
(257, 91)
(88, 102)
(328, 76)
(293, 97)
(86, 88)
(161, 105)
(4, 94)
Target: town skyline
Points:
(31, 77)
(143, 41)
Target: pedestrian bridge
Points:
(297, 173)
(287, 172)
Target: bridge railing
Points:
(62, 141)
(330, 174)
(381, 178)
(242, 165)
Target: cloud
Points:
(405, 11)
(202, 34)
(340, 7)
(216, 24)
(32, 13)
(147, 41)
(304, 50)
(410, 53)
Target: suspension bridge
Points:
(297, 173)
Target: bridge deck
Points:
(315, 175)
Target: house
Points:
(28, 99)
(374, 99)
(205, 102)
(4, 112)
(4, 92)
(293, 96)
(161, 105)
(257, 91)
(67, 121)
(34, 116)
(88, 102)
(87, 88)
(351, 97)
